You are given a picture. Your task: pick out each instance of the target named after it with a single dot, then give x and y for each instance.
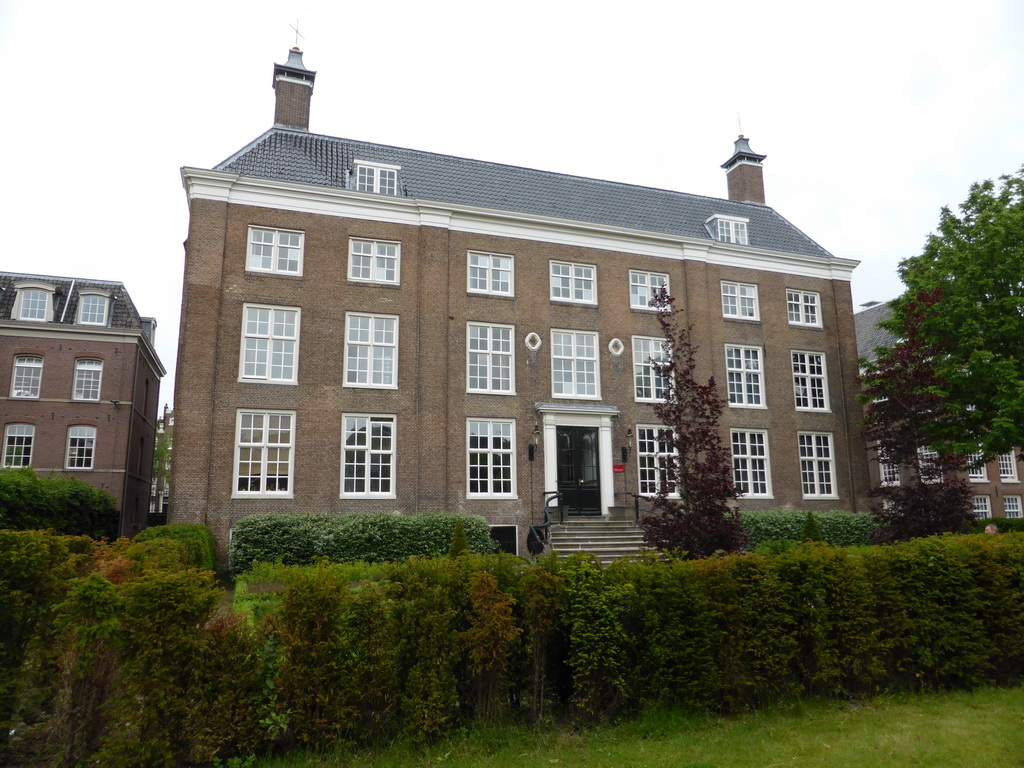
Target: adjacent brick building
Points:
(80, 385)
(367, 327)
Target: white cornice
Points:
(92, 333)
(329, 201)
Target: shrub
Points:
(65, 504)
(200, 547)
(811, 530)
(1003, 524)
(840, 529)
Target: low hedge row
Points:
(374, 538)
(841, 529)
(200, 547)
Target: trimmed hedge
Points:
(30, 501)
(840, 529)
(200, 547)
(1004, 524)
(369, 537)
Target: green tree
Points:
(976, 263)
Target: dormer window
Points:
(93, 308)
(376, 177)
(33, 302)
(728, 229)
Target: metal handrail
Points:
(537, 539)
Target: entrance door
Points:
(578, 477)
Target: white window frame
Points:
(651, 452)
(384, 265)
(572, 286)
(810, 380)
(1012, 511)
(977, 474)
(982, 506)
(648, 385)
(19, 440)
(490, 350)
(267, 426)
(927, 455)
(730, 229)
(575, 365)
(278, 248)
(492, 452)
(378, 178)
(22, 292)
(381, 356)
(487, 277)
(817, 466)
(1008, 467)
(803, 307)
(87, 297)
(88, 370)
(259, 348)
(751, 464)
(642, 285)
(888, 474)
(374, 448)
(744, 372)
(740, 302)
(80, 451)
(23, 361)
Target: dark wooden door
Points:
(578, 470)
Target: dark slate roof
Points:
(300, 157)
(124, 314)
(869, 335)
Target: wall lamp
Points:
(531, 450)
(628, 447)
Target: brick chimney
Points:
(745, 173)
(293, 84)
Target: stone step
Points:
(606, 539)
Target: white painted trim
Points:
(716, 216)
(374, 164)
(552, 417)
(297, 80)
(329, 201)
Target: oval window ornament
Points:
(533, 342)
(616, 347)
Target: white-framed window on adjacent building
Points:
(927, 459)
(18, 440)
(1012, 507)
(490, 457)
(1008, 467)
(368, 456)
(643, 286)
(93, 308)
(653, 447)
(728, 229)
(574, 371)
(264, 453)
(817, 465)
(371, 351)
(27, 376)
(490, 273)
(888, 473)
(376, 177)
(33, 302)
(810, 383)
(982, 506)
(490, 364)
(977, 472)
(88, 379)
(743, 376)
(81, 447)
(751, 470)
(573, 282)
(270, 344)
(804, 308)
(648, 384)
(374, 261)
(278, 251)
(739, 300)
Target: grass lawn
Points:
(950, 730)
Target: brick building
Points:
(367, 327)
(81, 385)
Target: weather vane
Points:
(297, 33)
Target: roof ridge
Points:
(62, 277)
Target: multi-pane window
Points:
(743, 375)
(368, 456)
(489, 358)
(653, 447)
(648, 384)
(1008, 467)
(92, 309)
(977, 471)
(889, 473)
(739, 300)
(928, 462)
(374, 261)
(803, 308)
(1011, 507)
(982, 507)
(574, 364)
(573, 282)
(643, 286)
(750, 467)
(490, 273)
(817, 469)
(371, 344)
(28, 374)
(810, 389)
(88, 377)
(491, 458)
(270, 339)
(33, 304)
(264, 444)
(376, 178)
(81, 447)
(275, 250)
(18, 445)
(732, 231)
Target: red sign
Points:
(618, 468)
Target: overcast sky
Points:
(873, 115)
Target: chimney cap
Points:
(293, 68)
(742, 152)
